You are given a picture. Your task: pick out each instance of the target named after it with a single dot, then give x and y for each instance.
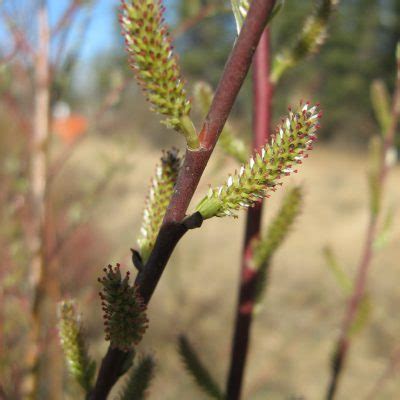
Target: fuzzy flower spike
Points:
(263, 172)
(72, 337)
(125, 319)
(161, 189)
(156, 68)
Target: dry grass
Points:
(294, 332)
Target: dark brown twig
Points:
(173, 229)
(263, 90)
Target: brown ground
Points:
(295, 331)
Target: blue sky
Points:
(102, 29)
(101, 33)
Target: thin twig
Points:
(18, 34)
(88, 203)
(8, 57)
(39, 165)
(104, 107)
(391, 368)
(66, 17)
(65, 33)
(344, 341)
(204, 12)
(119, 89)
(263, 90)
(173, 229)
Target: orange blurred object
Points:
(69, 128)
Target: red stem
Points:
(173, 229)
(262, 98)
(344, 341)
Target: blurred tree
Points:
(204, 48)
(362, 37)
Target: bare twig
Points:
(64, 34)
(66, 17)
(39, 164)
(89, 202)
(204, 12)
(119, 89)
(344, 341)
(17, 33)
(390, 369)
(263, 90)
(173, 227)
(7, 57)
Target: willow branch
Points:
(117, 91)
(262, 98)
(173, 228)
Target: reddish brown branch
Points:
(20, 38)
(189, 23)
(8, 57)
(39, 202)
(173, 229)
(344, 341)
(66, 17)
(195, 161)
(262, 89)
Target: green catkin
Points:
(380, 100)
(72, 339)
(160, 192)
(138, 382)
(279, 228)
(240, 9)
(156, 68)
(125, 319)
(261, 175)
(311, 38)
(197, 370)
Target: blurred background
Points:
(71, 201)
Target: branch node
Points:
(193, 221)
(137, 260)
